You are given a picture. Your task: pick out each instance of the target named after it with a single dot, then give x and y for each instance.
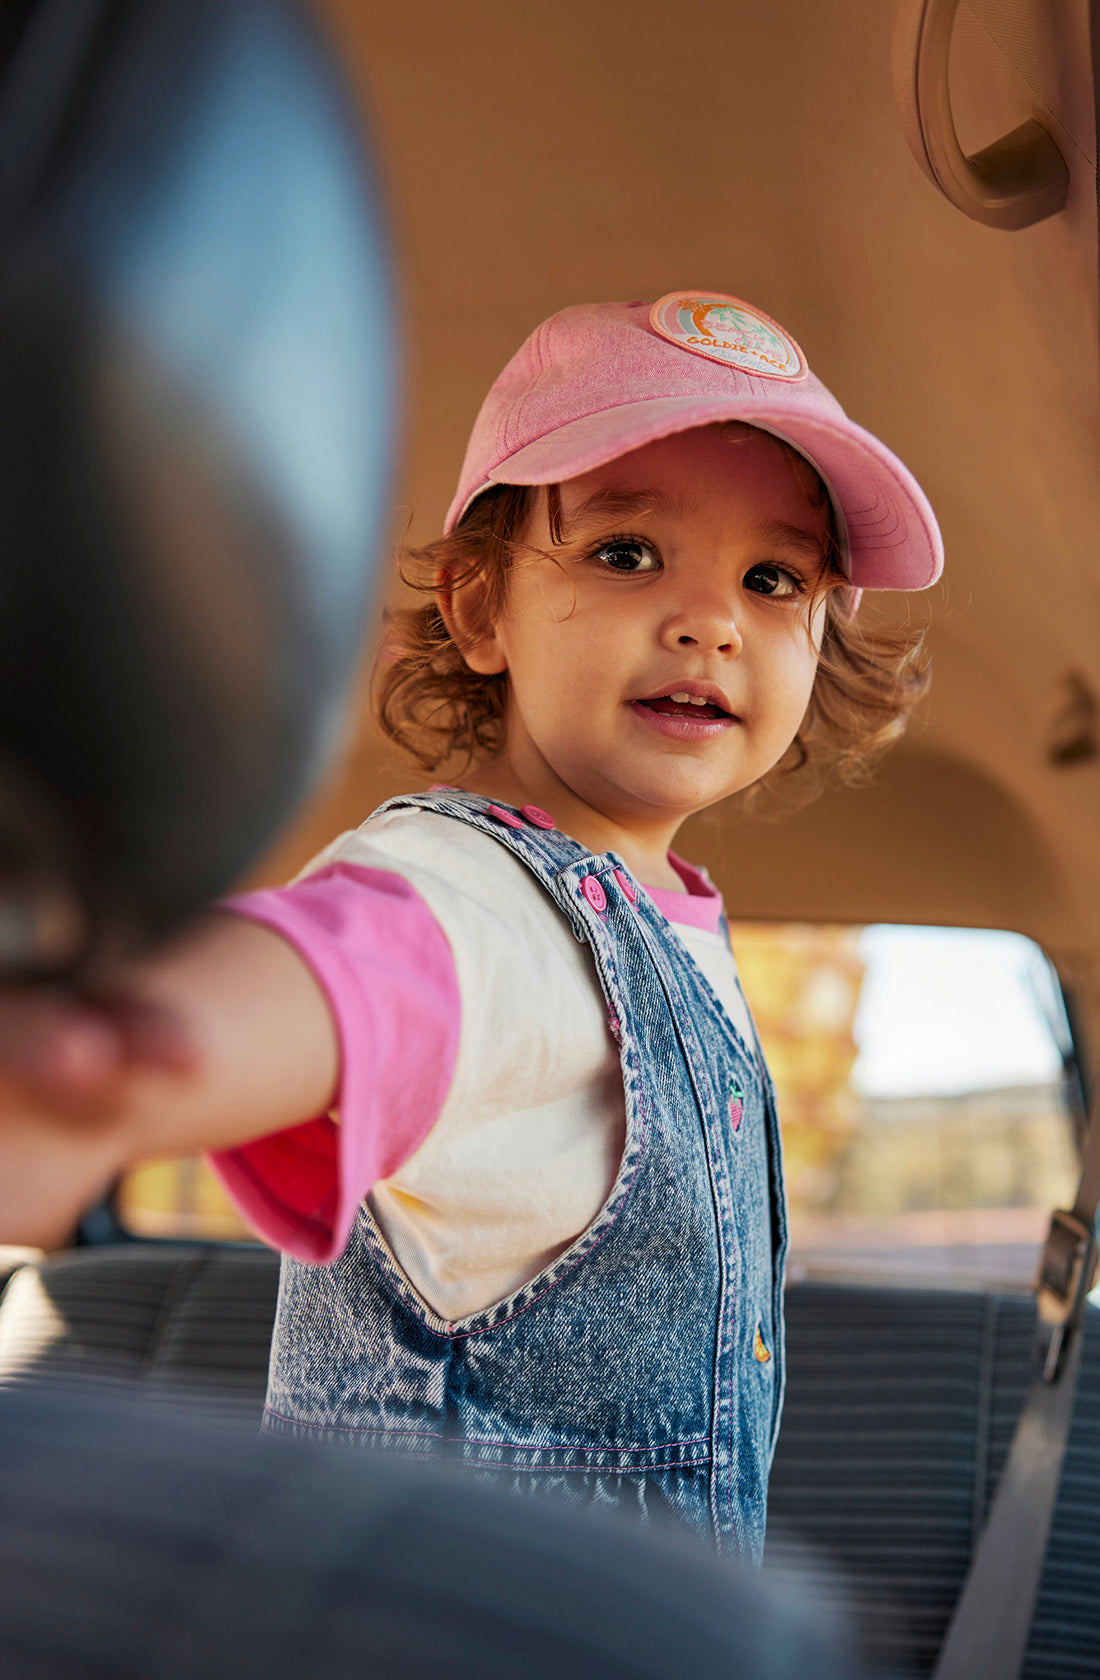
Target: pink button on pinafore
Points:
(537, 818)
(628, 891)
(594, 893)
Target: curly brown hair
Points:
(434, 707)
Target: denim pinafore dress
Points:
(644, 1367)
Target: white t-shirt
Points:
(527, 1143)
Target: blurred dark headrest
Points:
(196, 413)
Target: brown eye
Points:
(628, 554)
(775, 581)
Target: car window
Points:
(926, 1116)
(179, 1198)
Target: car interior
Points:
(819, 160)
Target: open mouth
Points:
(685, 706)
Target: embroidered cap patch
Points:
(724, 329)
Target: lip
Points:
(686, 728)
(681, 728)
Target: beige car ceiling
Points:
(541, 154)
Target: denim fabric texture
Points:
(644, 1367)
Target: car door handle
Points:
(1020, 179)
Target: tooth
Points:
(680, 699)
(697, 700)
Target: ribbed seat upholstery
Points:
(900, 1412)
(187, 1323)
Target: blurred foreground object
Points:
(196, 396)
(158, 1549)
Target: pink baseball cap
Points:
(599, 380)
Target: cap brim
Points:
(892, 538)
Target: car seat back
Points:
(186, 1323)
(901, 1407)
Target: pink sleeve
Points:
(387, 971)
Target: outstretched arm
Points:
(338, 992)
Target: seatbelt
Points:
(988, 1635)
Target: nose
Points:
(706, 623)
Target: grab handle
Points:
(1020, 179)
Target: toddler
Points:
(485, 1073)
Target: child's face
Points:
(688, 563)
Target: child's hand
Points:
(223, 1038)
(63, 1052)
(69, 1067)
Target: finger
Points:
(154, 1037)
(56, 1045)
(76, 1052)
